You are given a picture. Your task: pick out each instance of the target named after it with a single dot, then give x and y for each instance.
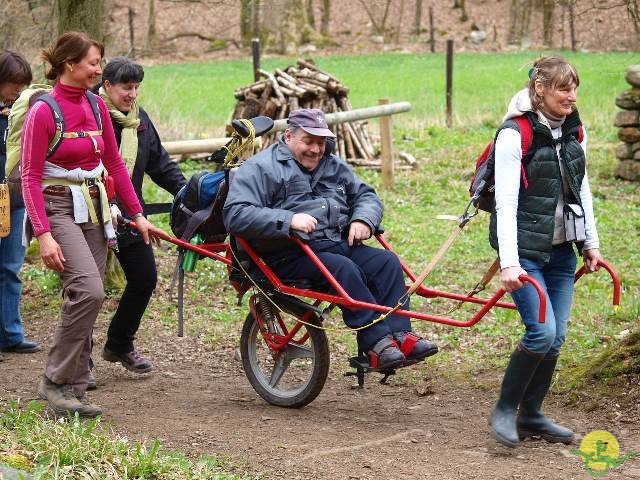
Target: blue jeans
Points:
(11, 259)
(557, 279)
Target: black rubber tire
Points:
(301, 380)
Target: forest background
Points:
(176, 30)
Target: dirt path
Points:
(198, 400)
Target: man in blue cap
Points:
(297, 186)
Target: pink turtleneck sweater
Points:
(72, 153)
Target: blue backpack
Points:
(197, 207)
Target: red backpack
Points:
(482, 188)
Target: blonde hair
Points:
(553, 72)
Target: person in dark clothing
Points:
(143, 153)
(298, 186)
(15, 74)
(543, 213)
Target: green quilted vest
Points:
(537, 202)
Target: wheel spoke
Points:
(279, 368)
(284, 358)
(299, 351)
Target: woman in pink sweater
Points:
(68, 210)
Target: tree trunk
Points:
(563, 26)
(326, 17)
(463, 11)
(151, 25)
(311, 16)
(418, 18)
(526, 19)
(246, 24)
(512, 36)
(400, 22)
(286, 25)
(519, 21)
(132, 39)
(548, 7)
(378, 22)
(634, 14)
(82, 15)
(572, 25)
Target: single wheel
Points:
(294, 375)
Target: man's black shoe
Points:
(24, 346)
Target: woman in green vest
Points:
(543, 215)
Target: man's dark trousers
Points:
(368, 274)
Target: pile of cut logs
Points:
(306, 86)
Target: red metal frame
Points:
(614, 278)
(217, 251)
(343, 299)
(273, 340)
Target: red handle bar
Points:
(614, 278)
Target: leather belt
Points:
(63, 191)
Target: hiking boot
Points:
(62, 400)
(132, 361)
(89, 406)
(385, 354)
(92, 383)
(531, 421)
(413, 347)
(517, 376)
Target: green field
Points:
(196, 98)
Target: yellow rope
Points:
(239, 146)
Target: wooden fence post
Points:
(386, 147)
(255, 50)
(432, 40)
(449, 81)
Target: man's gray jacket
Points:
(271, 186)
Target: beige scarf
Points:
(129, 123)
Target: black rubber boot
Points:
(531, 421)
(521, 368)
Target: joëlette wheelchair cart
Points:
(284, 348)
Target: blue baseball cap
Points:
(311, 120)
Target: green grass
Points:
(194, 100)
(73, 448)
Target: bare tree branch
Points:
(379, 27)
(598, 6)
